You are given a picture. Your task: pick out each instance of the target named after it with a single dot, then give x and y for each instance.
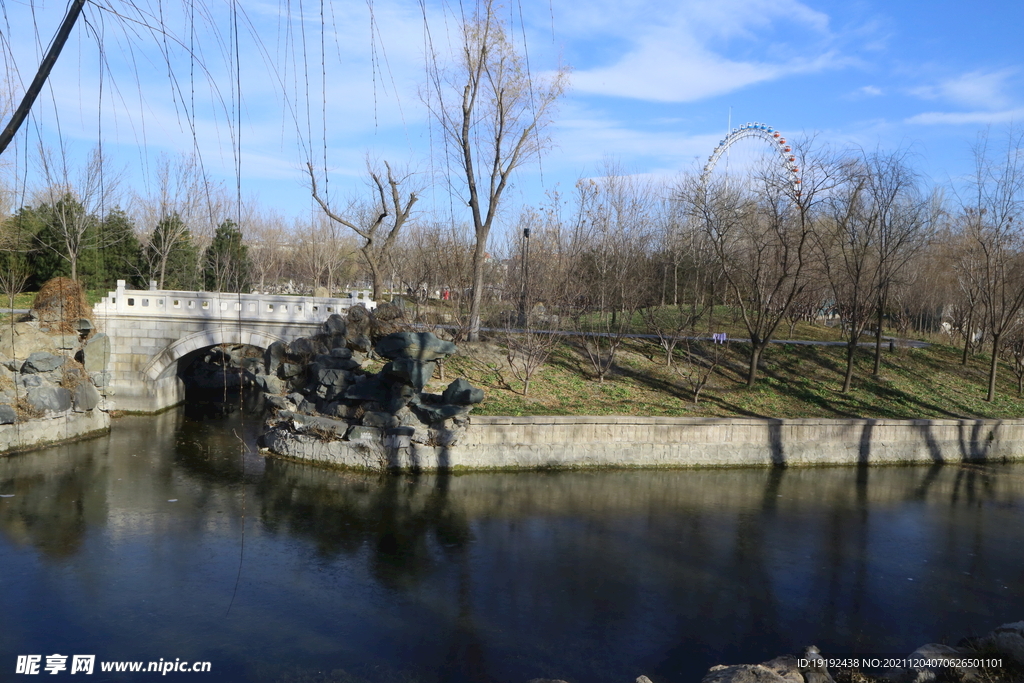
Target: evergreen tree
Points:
(123, 258)
(65, 242)
(226, 261)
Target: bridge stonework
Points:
(151, 330)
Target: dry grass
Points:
(60, 304)
(795, 381)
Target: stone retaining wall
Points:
(578, 442)
(43, 431)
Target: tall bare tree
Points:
(992, 218)
(902, 218)
(493, 114)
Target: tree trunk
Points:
(479, 252)
(755, 357)
(851, 350)
(967, 337)
(992, 367)
(374, 273)
(878, 342)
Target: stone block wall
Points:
(581, 442)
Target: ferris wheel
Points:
(756, 130)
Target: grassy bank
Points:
(795, 381)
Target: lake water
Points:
(171, 538)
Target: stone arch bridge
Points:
(150, 331)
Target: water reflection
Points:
(131, 545)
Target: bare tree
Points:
(377, 223)
(493, 114)
(183, 211)
(763, 240)
(699, 362)
(323, 254)
(901, 218)
(847, 249)
(992, 209)
(616, 217)
(690, 257)
(1013, 352)
(269, 240)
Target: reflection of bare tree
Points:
(56, 493)
(409, 522)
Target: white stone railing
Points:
(224, 306)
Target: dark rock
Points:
(7, 414)
(342, 353)
(273, 356)
(936, 651)
(41, 361)
(1007, 640)
(304, 347)
(372, 389)
(96, 353)
(357, 323)
(84, 326)
(786, 667)
(269, 384)
(289, 370)
(742, 673)
(386, 319)
(400, 396)
(461, 392)
(410, 372)
(335, 325)
(374, 419)
(333, 362)
(438, 413)
(307, 407)
(359, 343)
(85, 397)
(279, 402)
(51, 399)
(421, 346)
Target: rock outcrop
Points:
(997, 656)
(321, 395)
(49, 379)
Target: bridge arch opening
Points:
(168, 362)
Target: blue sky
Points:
(652, 84)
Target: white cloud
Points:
(870, 91)
(985, 89)
(970, 117)
(683, 56)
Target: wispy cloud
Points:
(681, 58)
(987, 89)
(970, 117)
(869, 91)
